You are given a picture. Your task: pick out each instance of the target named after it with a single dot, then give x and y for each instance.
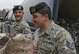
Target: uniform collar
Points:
(50, 28)
(47, 31)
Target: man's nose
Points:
(17, 13)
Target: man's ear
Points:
(46, 15)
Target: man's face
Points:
(18, 15)
(38, 20)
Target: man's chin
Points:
(18, 19)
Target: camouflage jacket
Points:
(20, 41)
(55, 40)
(21, 27)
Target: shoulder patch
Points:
(70, 45)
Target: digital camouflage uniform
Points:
(55, 40)
(19, 34)
(3, 37)
(4, 27)
(21, 27)
(20, 41)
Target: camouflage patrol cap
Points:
(18, 7)
(38, 7)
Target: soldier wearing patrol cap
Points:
(49, 37)
(20, 25)
(18, 12)
(20, 37)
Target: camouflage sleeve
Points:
(0, 28)
(26, 30)
(65, 44)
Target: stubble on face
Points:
(38, 20)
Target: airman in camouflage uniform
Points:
(20, 41)
(49, 37)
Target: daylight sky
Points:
(8, 4)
